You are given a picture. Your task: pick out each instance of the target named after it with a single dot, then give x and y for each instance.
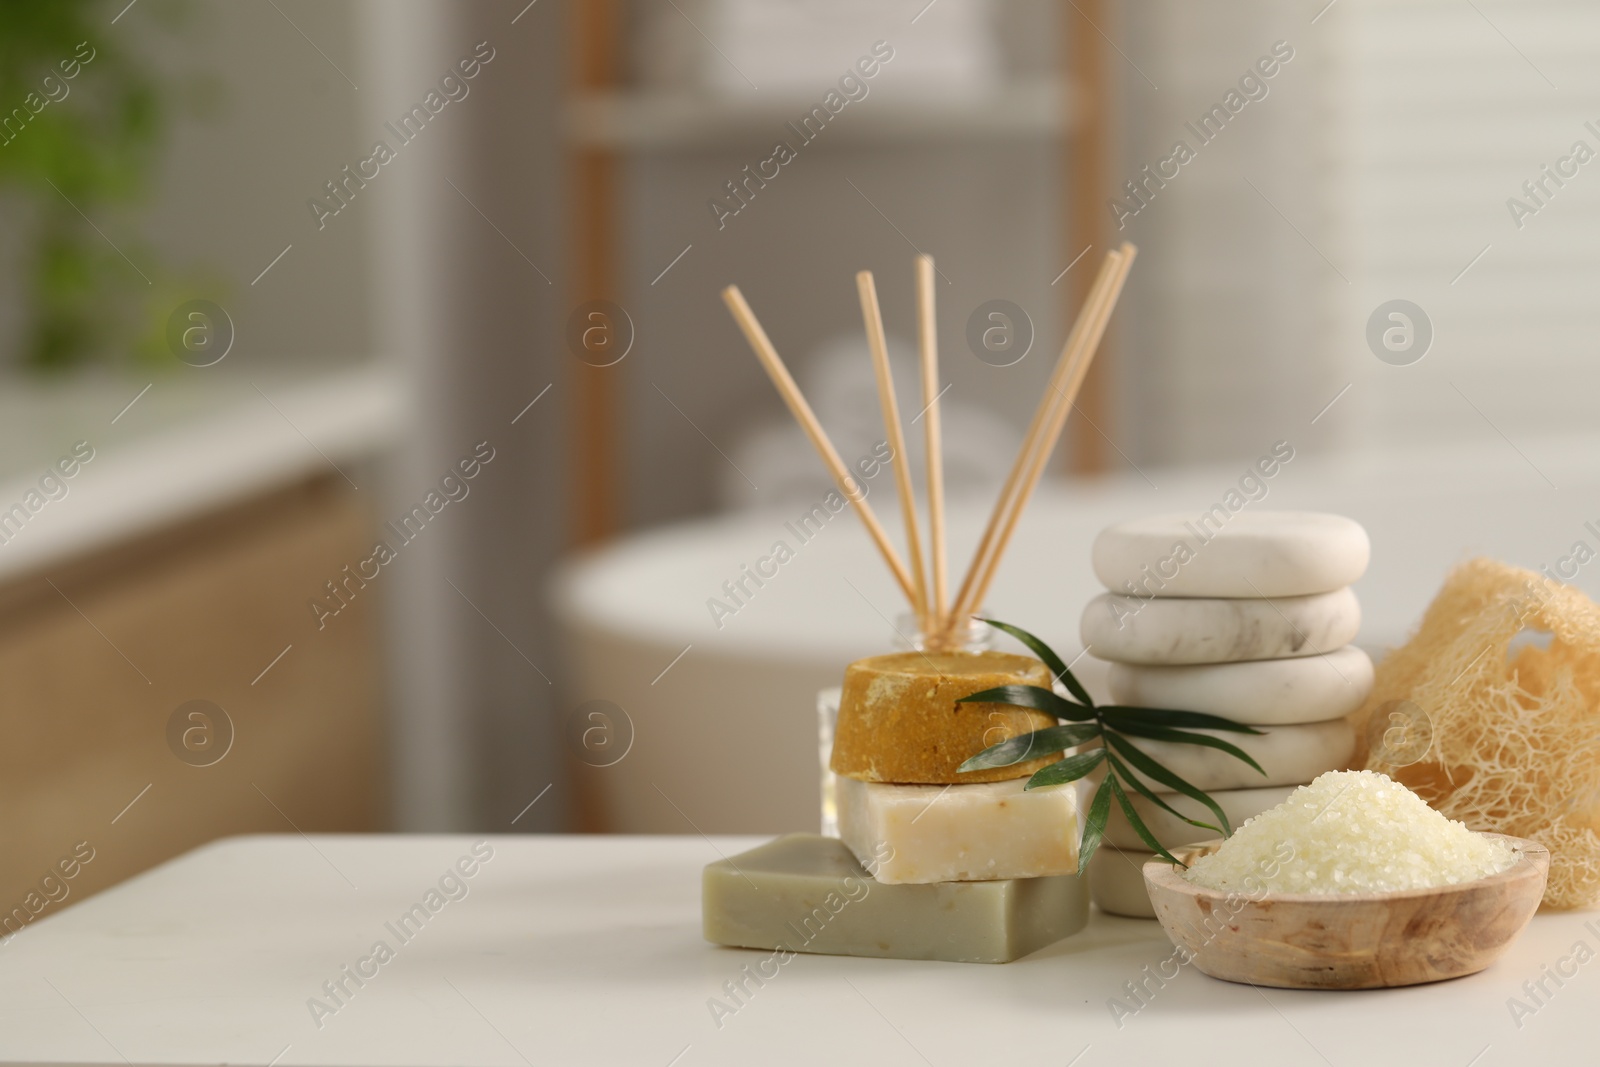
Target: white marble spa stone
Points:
(1238, 804)
(1231, 554)
(1116, 882)
(1127, 629)
(1291, 755)
(1267, 692)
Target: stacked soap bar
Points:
(901, 737)
(960, 833)
(900, 720)
(805, 893)
(934, 864)
(1248, 615)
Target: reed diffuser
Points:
(943, 619)
(889, 743)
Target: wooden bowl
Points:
(1347, 941)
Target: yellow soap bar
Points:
(899, 720)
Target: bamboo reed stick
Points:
(933, 441)
(1088, 345)
(878, 345)
(964, 602)
(773, 363)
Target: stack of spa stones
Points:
(932, 864)
(1247, 615)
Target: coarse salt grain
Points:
(1350, 832)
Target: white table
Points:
(575, 950)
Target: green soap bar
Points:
(806, 893)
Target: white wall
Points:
(258, 121)
(1450, 108)
(474, 326)
(1229, 342)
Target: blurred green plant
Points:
(81, 120)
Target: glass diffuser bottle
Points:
(974, 637)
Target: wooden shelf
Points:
(655, 122)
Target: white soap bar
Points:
(960, 833)
(1266, 692)
(1116, 882)
(1171, 831)
(1244, 554)
(1182, 630)
(1291, 755)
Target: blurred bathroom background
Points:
(410, 442)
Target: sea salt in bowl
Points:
(1347, 940)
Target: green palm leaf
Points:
(1048, 655)
(1172, 781)
(1031, 696)
(1110, 723)
(1025, 747)
(1094, 824)
(1195, 720)
(1138, 824)
(1161, 733)
(1066, 770)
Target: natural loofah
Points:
(1505, 740)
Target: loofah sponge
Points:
(1505, 739)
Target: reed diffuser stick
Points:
(933, 441)
(878, 345)
(770, 360)
(1088, 344)
(965, 602)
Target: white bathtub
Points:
(725, 739)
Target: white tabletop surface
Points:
(587, 950)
